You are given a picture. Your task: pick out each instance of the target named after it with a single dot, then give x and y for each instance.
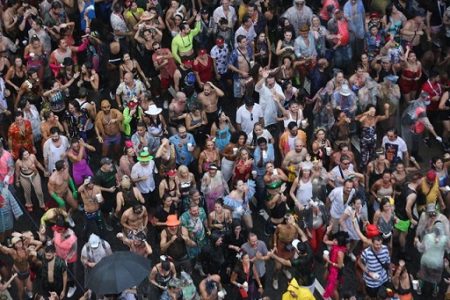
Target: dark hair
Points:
(292, 125)
(56, 5)
(76, 105)
(18, 113)
(383, 202)
(165, 265)
(261, 140)
(377, 238)
(240, 38)
(54, 130)
(246, 18)
(219, 201)
(141, 124)
(341, 238)
(22, 150)
(59, 165)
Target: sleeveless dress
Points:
(80, 169)
(223, 137)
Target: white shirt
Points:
(336, 197)
(230, 16)
(249, 34)
(53, 153)
(394, 148)
(248, 119)
(139, 170)
(268, 105)
(335, 174)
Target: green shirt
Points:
(185, 43)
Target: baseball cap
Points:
(431, 175)
(220, 41)
(94, 241)
(105, 161)
(188, 63)
(202, 52)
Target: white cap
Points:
(94, 241)
(295, 243)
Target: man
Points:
(345, 100)
(293, 159)
(134, 220)
(355, 14)
(119, 26)
(344, 149)
(289, 138)
(55, 149)
(63, 51)
(220, 53)
(106, 179)
(183, 43)
(248, 115)
(58, 186)
(196, 223)
(389, 93)
(93, 252)
(142, 138)
(128, 89)
(299, 14)
(241, 64)
(429, 192)
(164, 62)
(142, 175)
(414, 122)
(108, 125)
(225, 11)
(340, 39)
(270, 98)
(434, 89)
(428, 218)
(395, 147)
(177, 111)
(184, 146)
(52, 272)
(263, 154)
(258, 254)
(209, 99)
(89, 106)
(341, 172)
(338, 200)
(184, 81)
(174, 242)
(258, 19)
(414, 29)
(375, 262)
(246, 29)
(91, 195)
(211, 288)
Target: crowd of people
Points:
(232, 143)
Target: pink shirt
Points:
(64, 246)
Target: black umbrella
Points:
(118, 272)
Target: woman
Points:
(368, 139)
(160, 276)
(210, 155)
(56, 98)
(324, 143)
(320, 34)
(238, 202)
(275, 180)
(302, 189)
(258, 131)
(263, 51)
(16, 75)
(20, 135)
(233, 240)
(381, 189)
(156, 124)
(411, 74)
(90, 80)
(196, 122)
(166, 156)
(286, 71)
(245, 278)
(169, 186)
(35, 57)
(353, 214)
(203, 68)
(132, 66)
(243, 166)
(385, 219)
(374, 41)
(394, 20)
(402, 281)
(230, 153)
(78, 156)
(220, 219)
(127, 160)
(335, 261)
(166, 208)
(376, 167)
(359, 79)
(186, 181)
(173, 24)
(441, 169)
(285, 47)
(399, 175)
(76, 121)
(213, 186)
(27, 176)
(444, 107)
(128, 196)
(305, 49)
(221, 130)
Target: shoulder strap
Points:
(379, 261)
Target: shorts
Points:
(112, 139)
(372, 292)
(402, 225)
(165, 83)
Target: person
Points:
(209, 98)
(108, 125)
(292, 140)
(20, 135)
(395, 147)
(239, 64)
(27, 176)
(61, 186)
(221, 130)
(142, 174)
(374, 262)
(52, 271)
(161, 274)
(184, 146)
(335, 261)
(210, 155)
(129, 89)
(93, 252)
(134, 221)
(295, 291)
(338, 199)
(298, 14)
(245, 278)
(238, 201)
(402, 281)
(259, 254)
(78, 156)
(247, 115)
(55, 149)
(220, 218)
(182, 43)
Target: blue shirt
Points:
(183, 156)
(257, 156)
(373, 265)
(356, 21)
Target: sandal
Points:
(44, 207)
(29, 208)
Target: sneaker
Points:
(275, 284)
(287, 274)
(71, 291)
(352, 256)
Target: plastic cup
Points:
(235, 151)
(326, 253)
(328, 150)
(254, 173)
(304, 123)
(99, 198)
(415, 285)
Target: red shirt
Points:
(433, 89)
(343, 31)
(205, 72)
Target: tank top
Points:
(178, 248)
(297, 120)
(187, 81)
(63, 246)
(400, 202)
(386, 227)
(161, 279)
(60, 56)
(56, 154)
(385, 192)
(304, 191)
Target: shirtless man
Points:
(293, 158)
(413, 30)
(20, 255)
(209, 99)
(108, 124)
(241, 58)
(58, 186)
(134, 220)
(177, 111)
(91, 195)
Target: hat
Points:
(299, 1)
(337, 10)
(105, 161)
(68, 61)
(374, 15)
(431, 175)
(304, 28)
(391, 78)
(188, 63)
(146, 16)
(179, 15)
(212, 167)
(306, 165)
(431, 208)
(94, 241)
(372, 231)
(204, 10)
(172, 220)
(295, 243)
(220, 41)
(144, 155)
(15, 240)
(202, 52)
(171, 173)
(153, 110)
(345, 90)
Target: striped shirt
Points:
(373, 266)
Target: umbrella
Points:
(118, 272)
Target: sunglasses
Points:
(251, 116)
